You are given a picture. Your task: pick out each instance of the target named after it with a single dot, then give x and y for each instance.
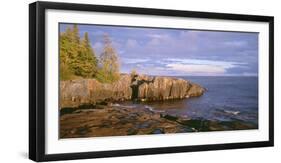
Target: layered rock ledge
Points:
(75, 93)
(88, 108)
(122, 121)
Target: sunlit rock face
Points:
(90, 91)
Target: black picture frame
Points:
(37, 80)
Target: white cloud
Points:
(197, 66)
(159, 39)
(134, 60)
(236, 43)
(159, 36)
(224, 64)
(206, 69)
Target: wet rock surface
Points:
(114, 121)
(121, 121)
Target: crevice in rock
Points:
(135, 84)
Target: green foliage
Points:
(66, 73)
(78, 59)
(109, 63)
(75, 34)
(85, 63)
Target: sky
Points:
(178, 52)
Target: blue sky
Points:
(179, 52)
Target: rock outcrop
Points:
(121, 121)
(126, 121)
(165, 88)
(90, 91)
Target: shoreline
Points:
(74, 93)
(106, 120)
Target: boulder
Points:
(195, 90)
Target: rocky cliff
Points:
(90, 91)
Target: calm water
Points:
(226, 99)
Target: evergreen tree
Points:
(75, 34)
(90, 51)
(77, 58)
(86, 61)
(66, 53)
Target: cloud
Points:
(159, 39)
(159, 36)
(175, 66)
(134, 60)
(131, 43)
(154, 42)
(224, 64)
(198, 66)
(181, 52)
(191, 69)
(236, 43)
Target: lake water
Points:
(226, 99)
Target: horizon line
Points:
(199, 75)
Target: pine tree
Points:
(75, 34)
(77, 58)
(89, 50)
(86, 61)
(66, 53)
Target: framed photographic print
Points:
(111, 81)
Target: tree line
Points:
(79, 60)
